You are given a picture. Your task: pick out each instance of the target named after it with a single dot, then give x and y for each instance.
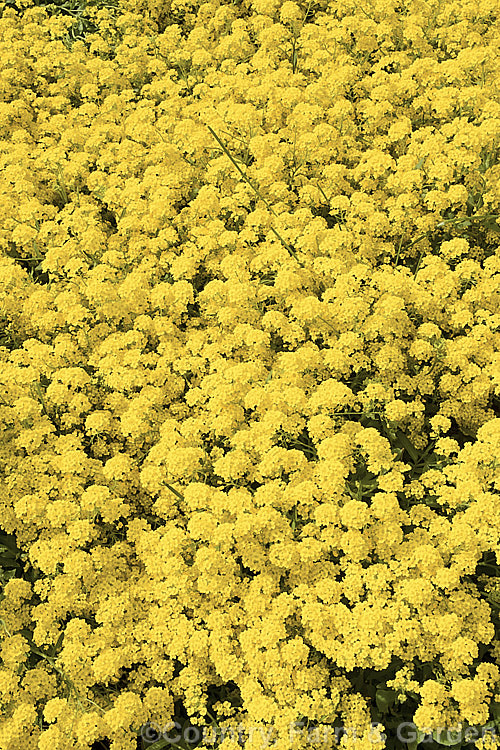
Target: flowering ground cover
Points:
(250, 374)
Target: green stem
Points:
(4, 626)
(266, 203)
(467, 218)
(177, 494)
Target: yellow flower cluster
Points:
(249, 385)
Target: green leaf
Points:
(409, 448)
(491, 225)
(27, 634)
(448, 737)
(495, 712)
(384, 699)
(55, 648)
(419, 736)
(9, 541)
(159, 744)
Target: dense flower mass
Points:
(249, 369)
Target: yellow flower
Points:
(54, 708)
